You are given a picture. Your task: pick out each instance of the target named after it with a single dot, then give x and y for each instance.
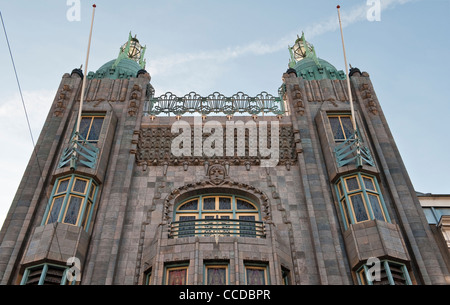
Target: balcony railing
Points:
(169, 103)
(217, 227)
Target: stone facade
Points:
(140, 184)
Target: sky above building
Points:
(230, 46)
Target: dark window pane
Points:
(189, 206)
(79, 186)
(255, 276)
(209, 203)
(72, 210)
(84, 126)
(352, 184)
(368, 183)
(56, 208)
(216, 276)
(96, 127)
(186, 228)
(376, 207)
(86, 214)
(347, 125)
(336, 128)
(63, 186)
(244, 205)
(359, 208)
(224, 203)
(247, 229)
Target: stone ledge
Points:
(56, 242)
(374, 238)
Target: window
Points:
(389, 273)
(90, 127)
(434, 214)
(176, 274)
(360, 199)
(256, 274)
(221, 215)
(285, 274)
(148, 277)
(342, 126)
(216, 273)
(72, 201)
(45, 274)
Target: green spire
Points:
(132, 50)
(300, 50)
(307, 65)
(127, 64)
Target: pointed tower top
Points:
(133, 50)
(128, 63)
(301, 49)
(306, 63)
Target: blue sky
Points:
(230, 46)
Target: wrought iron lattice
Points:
(217, 103)
(85, 153)
(353, 149)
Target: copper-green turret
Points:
(307, 65)
(127, 64)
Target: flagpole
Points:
(352, 109)
(346, 71)
(83, 87)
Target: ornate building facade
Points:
(271, 189)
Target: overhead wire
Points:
(28, 121)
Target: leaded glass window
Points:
(221, 215)
(359, 208)
(256, 275)
(360, 199)
(73, 210)
(90, 127)
(55, 209)
(216, 274)
(176, 275)
(72, 201)
(190, 206)
(341, 126)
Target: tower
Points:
(265, 189)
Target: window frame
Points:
(43, 275)
(339, 116)
(86, 207)
(346, 204)
(93, 116)
(257, 266)
(200, 213)
(363, 278)
(219, 265)
(172, 267)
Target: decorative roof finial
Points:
(132, 49)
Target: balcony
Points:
(217, 227)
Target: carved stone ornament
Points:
(62, 97)
(217, 174)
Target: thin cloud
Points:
(348, 17)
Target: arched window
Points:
(217, 214)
